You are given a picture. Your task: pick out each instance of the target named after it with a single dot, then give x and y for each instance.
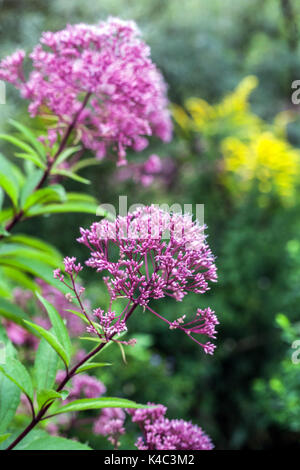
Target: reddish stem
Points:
(17, 217)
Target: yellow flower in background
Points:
(230, 115)
(266, 159)
(253, 150)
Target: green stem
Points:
(18, 217)
(35, 420)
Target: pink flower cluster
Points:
(153, 169)
(110, 323)
(111, 424)
(203, 323)
(161, 433)
(100, 76)
(83, 386)
(159, 254)
(143, 173)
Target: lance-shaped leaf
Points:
(34, 177)
(13, 312)
(17, 373)
(55, 193)
(69, 174)
(9, 401)
(36, 243)
(28, 135)
(46, 396)
(35, 267)
(8, 181)
(32, 158)
(56, 443)
(97, 403)
(92, 365)
(59, 327)
(51, 339)
(46, 365)
(65, 155)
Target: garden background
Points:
(229, 66)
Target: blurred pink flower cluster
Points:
(145, 173)
(19, 336)
(102, 77)
(160, 433)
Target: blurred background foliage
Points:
(236, 149)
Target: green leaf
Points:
(32, 158)
(9, 401)
(17, 373)
(79, 315)
(20, 278)
(97, 403)
(52, 340)
(53, 193)
(56, 443)
(59, 327)
(71, 175)
(122, 352)
(66, 207)
(9, 391)
(31, 436)
(30, 137)
(14, 251)
(30, 184)
(75, 202)
(8, 180)
(82, 197)
(6, 214)
(36, 243)
(65, 154)
(13, 312)
(84, 319)
(90, 338)
(36, 268)
(84, 163)
(3, 437)
(45, 366)
(92, 365)
(45, 396)
(4, 232)
(18, 143)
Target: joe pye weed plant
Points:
(91, 88)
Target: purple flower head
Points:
(11, 68)
(203, 323)
(16, 333)
(158, 254)
(111, 424)
(102, 75)
(86, 386)
(161, 433)
(110, 322)
(153, 169)
(71, 266)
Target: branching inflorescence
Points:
(147, 255)
(108, 68)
